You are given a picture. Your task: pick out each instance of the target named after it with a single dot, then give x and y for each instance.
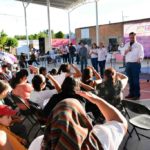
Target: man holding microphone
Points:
(134, 54)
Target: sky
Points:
(109, 11)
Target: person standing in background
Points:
(121, 50)
(134, 54)
(72, 51)
(102, 54)
(77, 53)
(23, 61)
(83, 53)
(64, 53)
(93, 55)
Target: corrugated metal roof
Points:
(62, 4)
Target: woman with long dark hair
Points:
(88, 75)
(20, 86)
(66, 70)
(40, 96)
(111, 89)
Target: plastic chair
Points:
(141, 121)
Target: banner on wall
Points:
(142, 31)
(85, 33)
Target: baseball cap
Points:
(6, 111)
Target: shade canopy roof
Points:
(62, 4)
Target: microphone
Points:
(131, 43)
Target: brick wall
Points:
(105, 32)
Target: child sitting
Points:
(8, 140)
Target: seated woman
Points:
(5, 73)
(43, 71)
(42, 97)
(20, 86)
(8, 140)
(53, 71)
(88, 76)
(16, 127)
(111, 89)
(65, 70)
(68, 88)
(69, 127)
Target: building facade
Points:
(115, 33)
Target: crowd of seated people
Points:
(65, 97)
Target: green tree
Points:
(3, 34)
(59, 35)
(17, 37)
(35, 36)
(3, 38)
(3, 41)
(31, 37)
(11, 42)
(20, 37)
(42, 35)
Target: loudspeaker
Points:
(42, 45)
(113, 45)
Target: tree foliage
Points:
(59, 35)
(11, 42)
(6, 41)
(20, 37)
(41, 34)
(3, 34)
(3, 38)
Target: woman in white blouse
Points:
(38, 95)
(102, 54)
(93, 55)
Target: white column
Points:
(69, 27)
(97, 26)
(49, 26)
(122, 16)
(25, 5)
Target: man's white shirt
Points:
(136, 52)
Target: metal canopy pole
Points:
(69, 26)
(25, 5)
(49, 27)
(97, 26)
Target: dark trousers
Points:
(102, 67)
(83, 63)
(77, 58)
(71, 59)
(94, 63)
(133, 73)
(65, 57)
